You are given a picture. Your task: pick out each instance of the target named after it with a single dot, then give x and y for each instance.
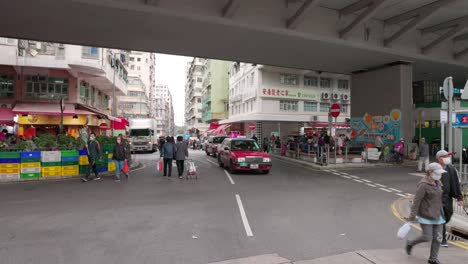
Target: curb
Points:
(137, 166)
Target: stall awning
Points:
(98, 112)
(6, 116)
(43, 109)
(120, 125)
(221, 130)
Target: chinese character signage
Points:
(289, 93)
(461, 120)
(367, 128)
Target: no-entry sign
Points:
(252, 126)
(335, 110)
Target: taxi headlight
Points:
(266, 160)
(240, 159)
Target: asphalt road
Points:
(296, 212)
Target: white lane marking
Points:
(357, 180)
(336, 173)
(346, 177)
(383, 189)
(365, 180)
(248, 230)
(327, 170)
(409, 194)
(355, 177)
(418, 174)
(371, 185)
(395, 190)
(212, 162)
(229, 177)
(399, 194)
(380, 185)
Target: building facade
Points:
(215, 90)
(193, 95)
(36, 77)
(164, 110)
(279, 101)
(135, 103)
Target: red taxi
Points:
(240, 154)
(212, 144)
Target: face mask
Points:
(436, 176)
(447, 160)
(91, 138)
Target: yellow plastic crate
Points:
(30, 165)
(111, 166)
(10, 171)
(10, 166)
(110, 155)
(70, 170)
(51, 174)
(55, 169)
(83, 160)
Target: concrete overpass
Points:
(342, 36)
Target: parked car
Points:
(211, 145)
(240, 154)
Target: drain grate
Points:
(455, 237)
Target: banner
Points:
(367, 128)
(461, 120)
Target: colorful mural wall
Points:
(368, 127)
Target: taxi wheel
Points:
(231, 170)
(265, 171)
(207, 153)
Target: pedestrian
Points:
(94, 154)
(120, 156)
(3, 135)
(451, 188)
(161, 143)
(423, 155)
(167, 153)
(265, 145)
(427, 207)
(181, 155)
(255, 138)
(378, 143)
(399, 150)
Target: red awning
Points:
(213, 126)
(43, 109)
(120, 125)
(221, 130)
(6, 116)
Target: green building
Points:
(215, 90)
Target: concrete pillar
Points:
(379, 90)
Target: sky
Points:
(170, 70)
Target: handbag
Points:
(160, 165)
(126, 168)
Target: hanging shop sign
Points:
(90, 120)
(461, 120)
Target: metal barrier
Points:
(463, 175)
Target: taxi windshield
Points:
(245, 145)
(218, 140)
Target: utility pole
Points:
(449, 104)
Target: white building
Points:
(164, 110)
(280, 101)
(135, 103)
(193, 95)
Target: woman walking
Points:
(427, 209)
(120, 156)
(168, 152)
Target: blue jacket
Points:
(168, 150)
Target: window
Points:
(199, 79)
(44, 87)
(343, 84)
(252, 76)
(138, 59)
(291, 79)
(198, 100)
(310, 81)
(310, 107)
(324, 107)
(138, 68)
(325, 82)
(60, 51)
(344, 108)
(132, 58)
(132, 67)
(289, 106)
(7, 86)
(90, 52)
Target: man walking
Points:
(181, 155)
(120, 156)
(451, 188)
(423, 155)
(94, 154)
(167, 152)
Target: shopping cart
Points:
(191, 169)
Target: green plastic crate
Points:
(83, 169)
(69, 163)
(69, 153)
(108, 147)
(26, 160)
(51, 164)
(30, 175)
(10, 155)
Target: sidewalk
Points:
(310, 162)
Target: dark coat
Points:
(451, 188)
(427, 202)
(94, 151)
(120, 152)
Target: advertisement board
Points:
(368, 127)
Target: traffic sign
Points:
(252, 126)
(335, 110)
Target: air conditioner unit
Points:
(314, 118)
(325, 96)
(38, 45)
(336, 96)
(345, 97)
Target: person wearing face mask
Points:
(94, 153)
(427, 209)
(451, 188)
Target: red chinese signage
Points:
(275, 92)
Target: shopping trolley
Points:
(191, 169)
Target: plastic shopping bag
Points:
(404, 230)
(125, 168)
(191, 168)
(160, 165)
